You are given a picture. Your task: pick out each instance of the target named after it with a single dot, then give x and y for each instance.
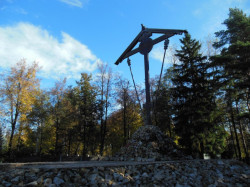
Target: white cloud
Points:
(67, 57)
(158, 52)
(77, 3)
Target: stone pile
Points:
(198, 173)
(148, 143)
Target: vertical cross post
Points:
(145, 47)
(147, 87)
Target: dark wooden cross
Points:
(145, 46)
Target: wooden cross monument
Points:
(145, 46)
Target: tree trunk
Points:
(106, 113)
(19, 140)
(242, 134)
(77, 148)
(13, 126)
(84, 152)
(10, 142)
(169, 128)
(235, 130)
(69, 143)
(105, 122)
(38, 139)
(124, 119)
(41, 139)
(102, 125)
(247, 98)
(201, 150)
(232, 137)
(101, 137)
(57, 137)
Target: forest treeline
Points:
(202, 103)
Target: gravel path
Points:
(83, 164)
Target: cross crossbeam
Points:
(167, 34)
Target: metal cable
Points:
(159, 83)
(137, 95)
(165, 49)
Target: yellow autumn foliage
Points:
(23, 86)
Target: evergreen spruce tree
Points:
(163, 104)
(194, 101)
(162, 110)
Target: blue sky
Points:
(68, 37)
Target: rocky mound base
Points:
(148, 143)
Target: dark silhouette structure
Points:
(145, 46)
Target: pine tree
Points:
(234, 61)
(235, 56)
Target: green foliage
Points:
(18, 92)
(88, 114)
(234, 61)
(237, 28)
(162, 110)
(115, 128)
(235, 42)
(194, 101)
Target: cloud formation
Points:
(158, 52)
(67, 57)
(77, 3)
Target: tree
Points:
(57, 96)
(115, 127)
(126, 100)
(115, 132)
(86, 95)
(71, 109)
(163, 111)
(194, 101)
(123, 100)
(1, 140)
(1, 136)
(234, 63)
(19, 91)
(38, 117)
(104, 80)
(235, 44)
